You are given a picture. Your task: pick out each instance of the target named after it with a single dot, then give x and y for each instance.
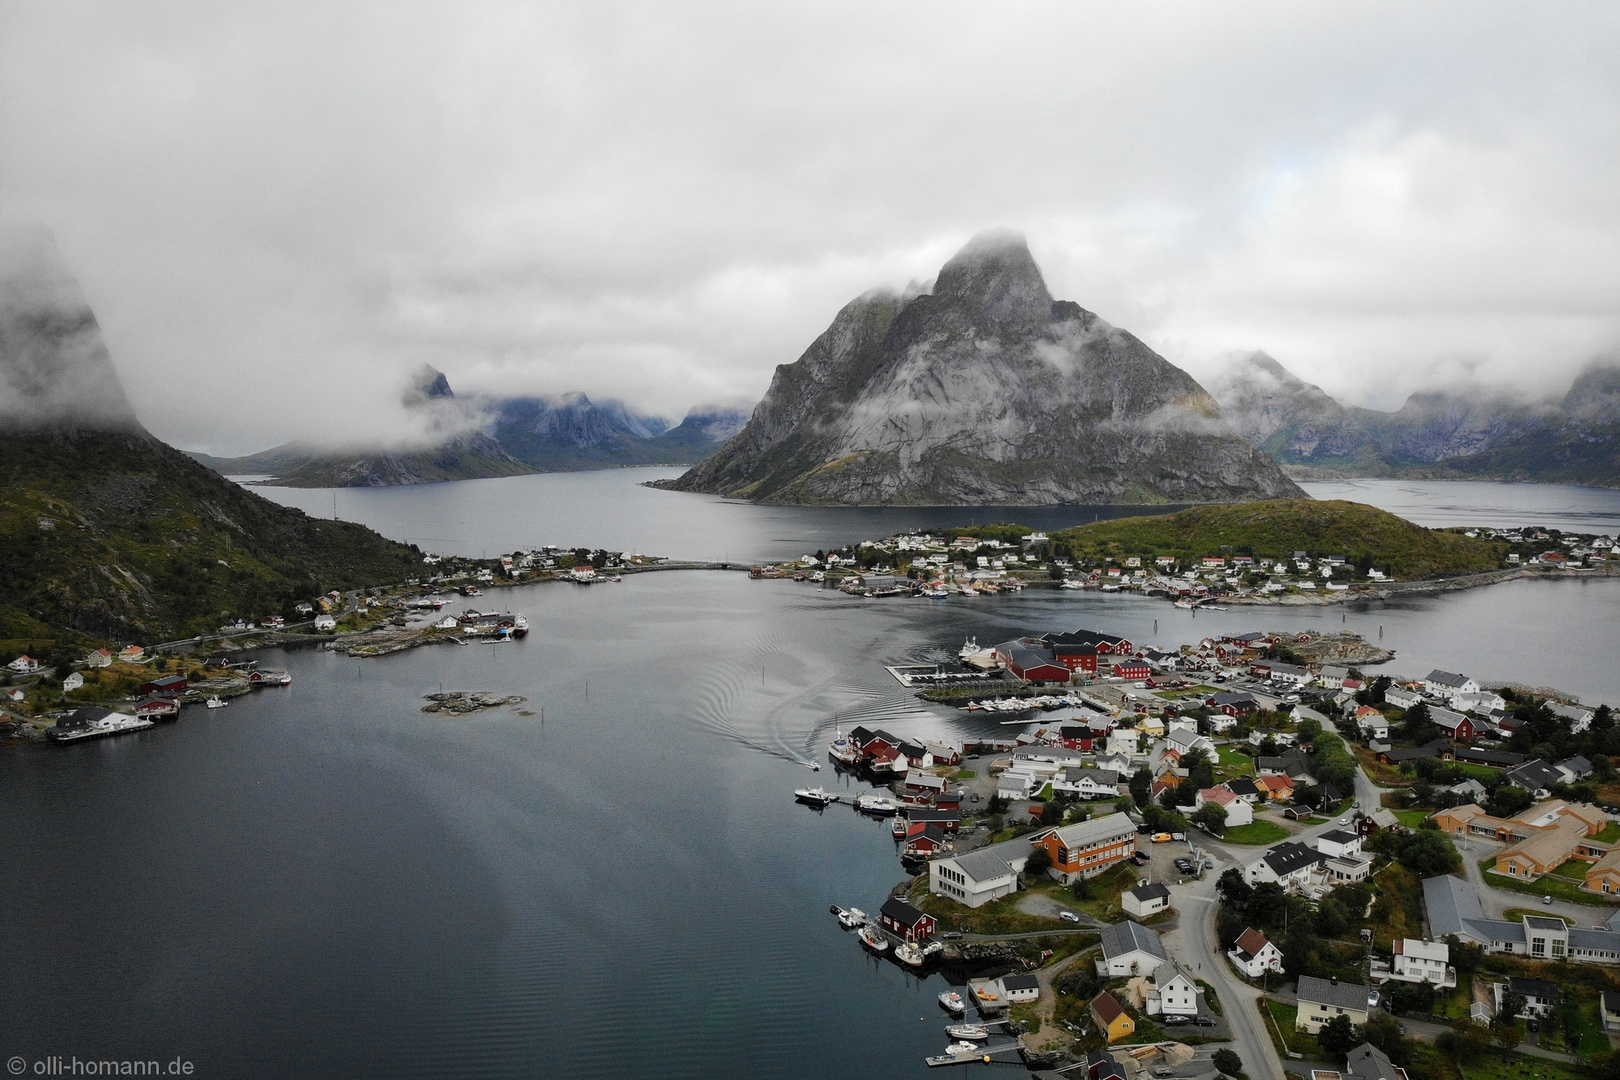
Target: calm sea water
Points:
(323, 881)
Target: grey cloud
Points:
(303, 203)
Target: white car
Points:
(1372, 1000)
(1344, 821)
(1068, 916)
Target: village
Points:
(1387, 875)
(993, 559)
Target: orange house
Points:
(1111, 1018)
(1089, 847)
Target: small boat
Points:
(217, 702)
(968, 1032)
(813, 766)
(898, 829)
(969, 647)
(952, 1001)
(876, 804)
(959, 1049)
(845, 751)
(850, 918)
(1071, 583)
(816, 797)
(908, 954)
(872, 939)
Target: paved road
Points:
(1195, 944)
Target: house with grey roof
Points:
(1129, 948)
(975, 878)
(1367, 1062)
(1537, 777)
(1145, 900)
(1452, 906)
(1287, 864)
(1321, 1000)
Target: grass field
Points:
(1495, 1066)
(1412, 819)
(1235, 759)
(1257, 832)
(1610, 833)
(1575, 869)
(1282, 1031)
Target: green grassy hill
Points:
(115, 536)
(1279, 527)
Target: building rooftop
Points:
(1343, 995)
(1151, 892)
(1449, 901)
(1129, 936)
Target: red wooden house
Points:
(901, 919)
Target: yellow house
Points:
(1111, 1018)
(1151, 726)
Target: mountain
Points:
(471, 455)
(983, 391)
(573, 432)
(107, 533)
(1433, 434)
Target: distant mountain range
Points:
(510, 437)
(984, 390)
(1440, 434)
(106, 533)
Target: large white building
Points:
(1129, 948)
(1423, 961)
(978, 877)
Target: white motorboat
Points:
(816, 797)
(850, 918)
(217, 702)
(898, 829)
(813, 766)
(844, 750)
(961, 1049)
(969, 647)
(953, 1002)
(968, 1032)
(908, 954)
(872, 939)
(876, 804)
(1071, 583)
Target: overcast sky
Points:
(278, 210)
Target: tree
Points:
(1038, 863)
(1508, 800)
(1338, 1036)
(1384, 1032)
(1465, 1042)
(1228, 1062)
(1051, 814)
(1417, 727)
(1425, 852)
(1211, 816)
(1200, 770)
(1506, 1033)
(1082, 889)
(1234, 890)
(1142, 786)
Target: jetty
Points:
(1010, 1053)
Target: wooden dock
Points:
(1005, 1054)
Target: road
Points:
(1195, 942)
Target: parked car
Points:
(1372, 1000)
(952, 935)
(1161, 838)
(1546, 899)
(1177, 1021)
(1068, 916)
(1204, 1021)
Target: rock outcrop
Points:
(984, 391)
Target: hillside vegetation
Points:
(1277, 528)
(114, 536)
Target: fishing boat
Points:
(872, 939)
(1185, 604)
(845, 751)
(908, 954)
(520, 626)
(816, 797)
(217, 702)
(969, 647)
(876, 804)
(952, 1001)
(968, 1032)
(1071, 583)
(898, 829)
(851, 918)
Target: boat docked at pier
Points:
(876, 805)
(844, 751)
(908, 953)
(816, 797)
(850, 918)
(217, 702)
(872, 939)
(968, 1032)
(953, 1003)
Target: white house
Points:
(1321, 1000)
(1422, 961)
(72, 682)
(1238, 811)
(1333, 677)
(99, 659)
(1178, 995)
(1443, 684)
(1338, 842)
(24, 664)
(1129, 948)
(1087, 783)
(325, 622)
(1185, 742)
(1018, 784)
(1401, 698)
(1484, 702)
(1254, 955)
(978, 877)
(1017, 989)
(1579, 717)
(1144, 901)
(1122, 741)
(1287, 864)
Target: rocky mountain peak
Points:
(55, 371)
(995, 274)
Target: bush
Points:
(1228, 1062)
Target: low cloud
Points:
(278, 212)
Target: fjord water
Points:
(322, 881)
